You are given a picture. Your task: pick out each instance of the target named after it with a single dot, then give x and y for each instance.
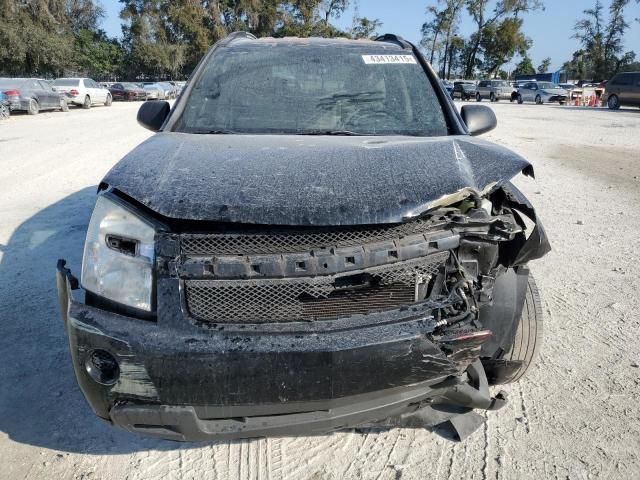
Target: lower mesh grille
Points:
(306, 299)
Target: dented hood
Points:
(305, 180)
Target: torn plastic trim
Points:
(465, 193)
(448, 200)
(525, 249)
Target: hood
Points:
(555, 90)
(305, 180)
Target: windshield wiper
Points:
(213, 132)
(337, 133)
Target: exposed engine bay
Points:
(447, 261)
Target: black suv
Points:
(314, 240)
(464, 90)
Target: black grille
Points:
(276, 242)
(306, 299)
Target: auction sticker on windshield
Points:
(380, 59)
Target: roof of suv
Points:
(385, 43)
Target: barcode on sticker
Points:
(380, 59)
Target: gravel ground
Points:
(575, 416)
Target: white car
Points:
(83, 92)
(542, 92)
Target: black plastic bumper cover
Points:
(193, 383)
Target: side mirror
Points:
(153, 114)
(479, 119)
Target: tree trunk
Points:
(472, 56)
(433, 46)
(445, 57)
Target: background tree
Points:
(451, 11)
(333, 8)
(500, 42)
(431, 32)
(544, 65)
(35, 37)
(485, 21)
(455, 55)
(602, 40)
(524, 67)
(365, 28)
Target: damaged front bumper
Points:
(189, 383)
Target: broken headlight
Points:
(118, 255)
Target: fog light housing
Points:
(102, 367)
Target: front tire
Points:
(538, 100)
(492, 98)
(520, 101)
(613, 102)
(33, 108)
(478, 97)
(109, 101)
(528, 338)
(87, 103)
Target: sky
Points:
(550, 29)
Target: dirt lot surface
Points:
(576, 415)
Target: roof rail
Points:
(392, 37)
(239, 35)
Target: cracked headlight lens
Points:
(119, 255)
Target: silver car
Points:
(542, 92)
(494, 90)
(31, 95)
(154, 91)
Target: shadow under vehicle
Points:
(314, 240)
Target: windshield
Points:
(296, 89)
(547, 85)
(129, 85)
(66, 82)
(501, 84)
